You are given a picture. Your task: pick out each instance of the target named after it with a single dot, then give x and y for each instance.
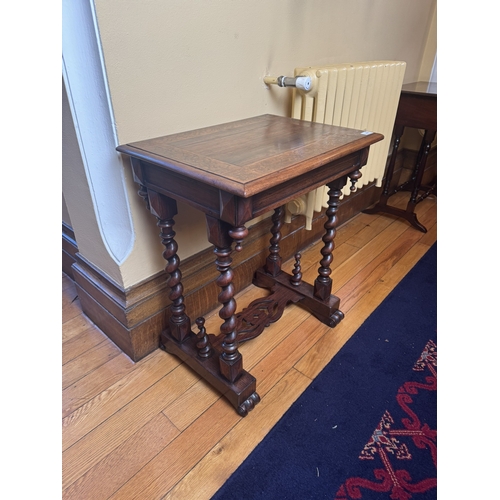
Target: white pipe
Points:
(299, 82)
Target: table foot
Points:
(241, 393)
(332, 320)
(248, 404)
(327, 311)
(411, 217)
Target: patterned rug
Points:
(366, 427)
(400, 457)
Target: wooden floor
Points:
(155, 430)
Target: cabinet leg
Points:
(420, 168)
(386, 190)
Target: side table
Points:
(233, 173)
(417, 109)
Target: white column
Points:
(91, 110)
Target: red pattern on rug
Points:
(391, 442)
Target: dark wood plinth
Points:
(417, 109)
(327, 311)
(233, 173)
(241, 393)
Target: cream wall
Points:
(64, 212)
(175, 65)
(430, 49)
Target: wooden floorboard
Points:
(155, 430)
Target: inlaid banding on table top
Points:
(245, 159)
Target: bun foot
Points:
(336, 318)
(248, 404)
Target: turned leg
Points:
(382, 206)
(219, 234)
(203, 344)
(323, 283)
(165, 209)
(420, 167)
(418, 173)
(273, 261)
(398, 132)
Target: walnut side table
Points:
(233, 173)
(417, 109)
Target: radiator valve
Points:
(299, 82)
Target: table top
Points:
(422, 88)
(248, 156)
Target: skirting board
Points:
(69, 249)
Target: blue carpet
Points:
(366, 426)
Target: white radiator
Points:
(363, 96)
